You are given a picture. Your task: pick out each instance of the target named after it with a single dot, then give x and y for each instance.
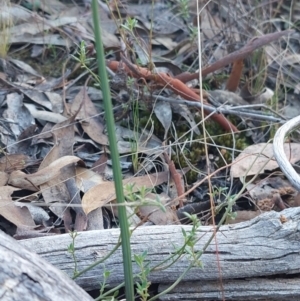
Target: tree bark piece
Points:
(265, 246)
(27, 277)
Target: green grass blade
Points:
(125, 234)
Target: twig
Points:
(176, 177)
(226, 109)
(242, 53)
(174, 84)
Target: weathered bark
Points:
(267, 247)
(26, 276)
(238, 289)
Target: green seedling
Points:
(71, 250)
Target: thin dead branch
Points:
(242, 53)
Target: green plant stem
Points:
(231, 202)
(108, 293)
(98, 261)
(125, 234)
(228, 209)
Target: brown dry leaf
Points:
(3, 178)
(100, 165)
(95, 220)
(13, 14)
(164, 20)
(57, 103)
(38, 31)
(37, 97)
(166, 42)
(179, 52)
(89, 117)
(133, 219)
(80, 223)
(266, 188)
(33, 181)
(108, 27)
(56, 190)
(155, 214)
(210, 25)
(163, 112)
(87, 178)
(24, 68)
(16, 215)
(45, 115)
(18, 179)
(186, 113)
(21, 117)
(258, 158)
(227, 97)
(103, 193)
(259, 98)
(63, 136)
(243, 216)
(12, 162)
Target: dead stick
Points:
(242, 53)
(176, 177)
(172, 83)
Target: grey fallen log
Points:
(265, 246)
(278, 289)
(26, 276)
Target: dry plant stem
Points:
(174, 84)
(212, 203)
(277, 200)
(278, 149)
(242, 53)
(197, 184)
(176, 177)
(226, 109)
(235, 75)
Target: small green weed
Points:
(71, 250)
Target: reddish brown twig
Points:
(242, 53)
(235, 75)
(176, 178)
(174, 84)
